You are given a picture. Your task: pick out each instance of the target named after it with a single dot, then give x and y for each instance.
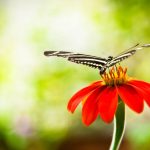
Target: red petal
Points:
(90, 109)
(131, 97)
(80, 95)
(143, 92)
(108, 101)
(141, 84)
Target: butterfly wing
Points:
(126, 54)
(91, 61)
(94, 61)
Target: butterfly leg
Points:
(102, 70)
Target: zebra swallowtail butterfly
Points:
(96, 62)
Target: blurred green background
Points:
(34, 90)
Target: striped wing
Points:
(126, 54)
(91, 61)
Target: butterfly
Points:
(97, 62)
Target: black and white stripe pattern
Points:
(92, 61)
(96, 62)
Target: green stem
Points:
(119, 125)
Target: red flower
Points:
(101, 97)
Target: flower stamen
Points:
(115, 76)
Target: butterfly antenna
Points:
(134, 46)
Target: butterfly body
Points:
(96, 62)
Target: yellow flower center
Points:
(115, 76)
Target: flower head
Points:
(101, 97)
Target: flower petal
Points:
(80, 95)
(131, 97)
(140, 84)
(142, 91)
(108, 101)
(90, 109)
